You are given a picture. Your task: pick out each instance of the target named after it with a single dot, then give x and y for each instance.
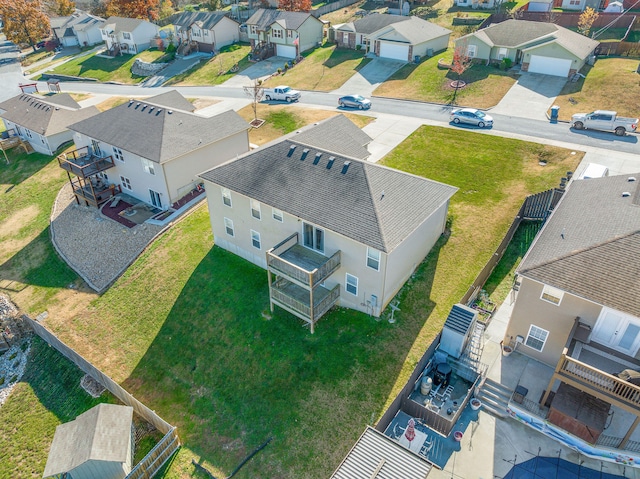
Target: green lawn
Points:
(486, 85)
(325, 68)
(216, 70)
(117, 69)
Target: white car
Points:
(471, 116)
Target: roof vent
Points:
(150, 109)
(625, 194)
(382, 194)
(57, 108)
(137, 105)
(316, 160)
(330, 163)
(292, 148)
(631, 179)
(170, 112)
(305, 152)
(143, 107)
(158, 111)
(345, 167)
(130, 102)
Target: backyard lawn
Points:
(216, 70)
(324, 69)
(485, 85)
(611, 84)
(183, 329)
(117, 69)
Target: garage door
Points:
(549, 66)
(394, 51)
(287, 51)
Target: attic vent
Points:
(150, 109)
(316, 160)
(292, 148)
(625, 194)
(158, 111)
(143, 107)
(631, 179)
(305, 152)
(170, 112)
(330, 163)
(345, 167)
(130, 102)
(57, 108)
(137, 105)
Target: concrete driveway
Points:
(258, 70)
(531, 96)
(365, 81)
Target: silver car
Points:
(471, 116)
(355, 101)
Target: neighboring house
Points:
(580, 5)
(577, 307)
(43, 121)
(151, 149)
(330, 228)
(210, 30)
(79, 29)
(540, 6)
(288, 33)
(97, 444)
(539, 47)
(393, 36)
(127, 35)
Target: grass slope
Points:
(216, 70)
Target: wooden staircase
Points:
(12, 142)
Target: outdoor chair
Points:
(426, 447)
(398, 431)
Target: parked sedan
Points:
(355, 101)
(471, 116)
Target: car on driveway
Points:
(471, 116)
(354, 101)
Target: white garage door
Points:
(287, 51)
(549, 66)
(394, 51)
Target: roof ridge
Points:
(375, 206)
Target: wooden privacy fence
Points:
(564, 19)
(170, 443)
(332, 7)
(623, 49)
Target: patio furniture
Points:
(519, 394)
(426, 447)
(416, 444)
(397, 431)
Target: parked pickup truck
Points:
(282, 93)
(604, 120)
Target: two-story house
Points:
(127, 35)
(209, 30)
(81, 29)
(329, 228)
(43, 121)
(151, 149)
(286, 34)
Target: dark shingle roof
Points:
(208, 19)
(47, 115)
(374, 22)
(417, 30)
(172, 99)
(590, 246)
(337, 134)
(121, 24)
(264, 18)
(368, 203)
(158, 134)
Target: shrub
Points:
(13, 379)
(170, 48)
(13, 356)
(1, 381)
(358, 47)
(279, 71)
(286, 67)
(507, 63)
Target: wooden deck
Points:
(304, 258)
(83, 163)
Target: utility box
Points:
(555, 109)
(457, 330)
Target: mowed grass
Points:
(486, 85)
(216, 70)
(611, 84)
(324, 69)
(117, 69)
(48, 394)
(183, 329)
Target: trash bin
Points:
(554, 113)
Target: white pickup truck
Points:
(282, 93)
(604, 120)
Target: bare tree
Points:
(256, 93)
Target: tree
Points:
(24, 21)
(586, 21)
(62, 7)
(295, 5)
(143, 9)
(256, 93)
(460, 64)
(166, 9)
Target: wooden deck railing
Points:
(326, 269)
(156, 458)
(325, 304)
(84, 163)
(303, 309)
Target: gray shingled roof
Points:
(417, 30)
(373, 450)
(369, 203)
(158, 134)
(208, 19)
(374, 22)
(63, 99)
(172, 99)
(120, 24)
(337, 134)
(42, 115)
(102, 433)
(264, 18)
(590, 245)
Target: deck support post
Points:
(625, 439)
(269, 277)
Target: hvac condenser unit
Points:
(458, 329)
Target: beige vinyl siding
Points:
(511, 53)
(103, 469)
(483, 51)
(225, 33)
(54, 141)
(556, 51)
(143, 35)
(310, 34)
(437, 44)
(530, 309)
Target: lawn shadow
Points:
(107, 65)
(341, 55)
(404, 72)
(21, 166)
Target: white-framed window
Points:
(345, 37)
(255, 239)
(255, 209)
(206, 33)
(228, 227)
(276, 33)
(126, 35)
(471, 51)
(126, 183)
(28, 133)
(502, 52)
(536, 338)
(289, 33)
(253, 29)
(313, 237)
(373, 259)
(226, 197)
(551, 294)
(351, 284)
(117, 154)
(277, 215)
(148, 166)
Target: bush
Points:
(279, 71)
(506, 62)
(358, 47)
(170, 48)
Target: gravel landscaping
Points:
(95, 247)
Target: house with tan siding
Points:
(209, 30)
(329, 227)
(127, 35)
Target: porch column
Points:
(625, 440)
(545, 396)
(311, 301)
(269, 277)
